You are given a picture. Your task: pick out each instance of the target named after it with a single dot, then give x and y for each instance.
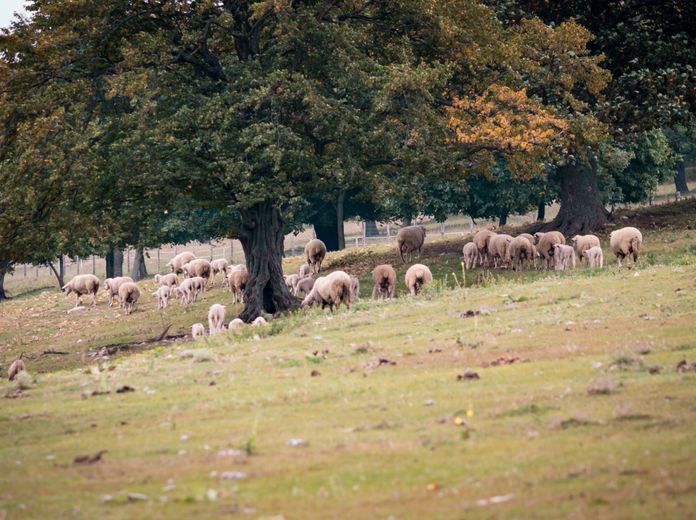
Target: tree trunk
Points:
(262, 239)
(5, 267)
(541, 211)
(326, 229)
(60, 273)
(341, 235)
(114, 262)
(371, 228)
(503, 216)
(680, 178)
(139, 270)
(581, 209)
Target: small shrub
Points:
(25, 380)
(199, 355)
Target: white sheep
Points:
(315, 251)
(197, 330)
(594, 257)
(162, 295)
(218, 266)
(197, 267)
(518, 251)
(482, 239)
(409, 240)
(238, 282)
(177, 263)
(189, 289)
(471, 255)
(235, 324)
(216, 318)
(112, 285)
(128, 295)
(303, 286)
(545, 243)
(416, 277)
(563, 256)
(582, 243)
(291, 281)
(497, 249)
(354, 289)
(626, 242)
(384, 282)
(259, 322)
(80, 285)
(305, 270)
(331, 290)
(171, 280)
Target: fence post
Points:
(36, 272)
(442, 230)
(25, 270)
(364, 232)
(77, 265)
(174, 249)
(231, 250)
(388, 233)
(159, 269)
(211, 251)
(128, 259)
(94, 265)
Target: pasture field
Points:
(525, 395)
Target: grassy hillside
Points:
(578, 408)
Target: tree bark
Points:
(114, 262)
(139, 270)
(326, 228)
(680, 178)
(341, 235)
(541, 211)
(504, 212)
(371, 228)
(262, 239)
(581, 209)
(5, 267)
(60, 273)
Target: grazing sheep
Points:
(416, 277)
(331, 290)
(128, 295)
(582, 243)
(563, 255)
(408, 240)
(16, 367)
(171, 280)
(291, 281)
(594, 257)
(482, 239)
(199, 285)
(198, 267)
(197, 330)
(305, 270)
(177, 263)
(238, 281)
(518, 251)
(162, 294)
(111, 286)
(471, 255)
(497, 249)
(82, 284)
(231, 269)
(626, 242)
(545, 243)
(315, 251)
(235, 324)
(303, 286)
(216, 318)
(259, 321)
(384, 280)
(218, 266)
(189, 290)
(535, 252)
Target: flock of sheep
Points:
(488, 249)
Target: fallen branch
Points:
(52, 351)
(116, 347)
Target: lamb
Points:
(189, 289)
(563, 255)
(82, 284)
(582, 243)
(198, 267)
(354, 289)
(471, 255)
(177, 263)
(626, 242)
(304, 270)
(519, 250)
(331, 290)
(315, 251)
(231, 269)
(111, 286)
(16, 367)
(128, 295)
(497, 249)
(235, 324)
(304, 286)
(545, 243)
(162, 294)
(197, 330)
(384, 280)
(408, 240)
(481, 240)
(216, 318)
(291, 281)
(171, 280)
(594, 257)
(259, 321)
(219, 266)
(238, 281)
(199, 284)
(416, 277)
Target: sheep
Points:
(626, 242)
(170, 280)
(408, 240)
(384, 280)
(238, 281)
(199, 284)
(303, 286)
(197, 330)
(128, 295)
(291, 281)
(416, 277)
(111, 286)
(562, 255)
(582, 243)
(197, 267)
(189, 289)
(331, 290)
(594, 257)
(354, 289)
(177, 263)
(497, 249)
(481, 239)
(259, 321)
(218, 266)
(305, 270)
(471, 255)
(216, 318)
(315, 251)
(82, 284)
(545, 243)
(519, 250)
(535, 252)
(231, 269)
(16, 367)
(162, 295)
(235, 324)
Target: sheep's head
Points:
(66, 288)
(537, 237)
(308, 301)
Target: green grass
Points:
(401, 438)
